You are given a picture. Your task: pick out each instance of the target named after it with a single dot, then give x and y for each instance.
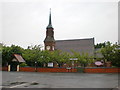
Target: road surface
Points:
(58, 80)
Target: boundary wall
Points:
(84, 70)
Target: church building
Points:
(78, 45)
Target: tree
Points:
(116, 58)
(100, 45)
(32, 54)
(111, 52)
(64, 58)
(8, 53)
(108, 51)
(83, 58)
(1, 45)
(44, 57)
(55, 56)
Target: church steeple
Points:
(50, 22)
(49, 40)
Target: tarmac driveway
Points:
(58, 80)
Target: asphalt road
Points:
(58, 80)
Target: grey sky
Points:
(24, 22)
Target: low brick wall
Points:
(27, 69)
(32, 69)
(85, 70)
(102, 70)
(4, 68)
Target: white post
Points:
(73, 64)
(17, 68)
(8, 67)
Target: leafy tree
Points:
(100, 45)
(55, 56)
(116, 58)
(111, 52)
(83, 58)
(32, 54)
(107, 51)
(64, 58)
(44, 57)
(1, 45)
(8, 53)
(23, 65)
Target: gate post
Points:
(18, 68)
(8, 67)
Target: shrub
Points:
(23, 64)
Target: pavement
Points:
(58, 80)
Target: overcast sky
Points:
(24, 22)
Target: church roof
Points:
(75, 39)
(77, 45)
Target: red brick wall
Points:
(0, 68)
(28, 69)
(102, 70)
(4, 68)
(86, 70)
(32, 69)
(56, 70)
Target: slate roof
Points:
(78, 45)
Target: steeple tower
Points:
(49, 41)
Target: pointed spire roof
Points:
(50, 22)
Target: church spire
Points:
(49, 39)
(50, 22)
